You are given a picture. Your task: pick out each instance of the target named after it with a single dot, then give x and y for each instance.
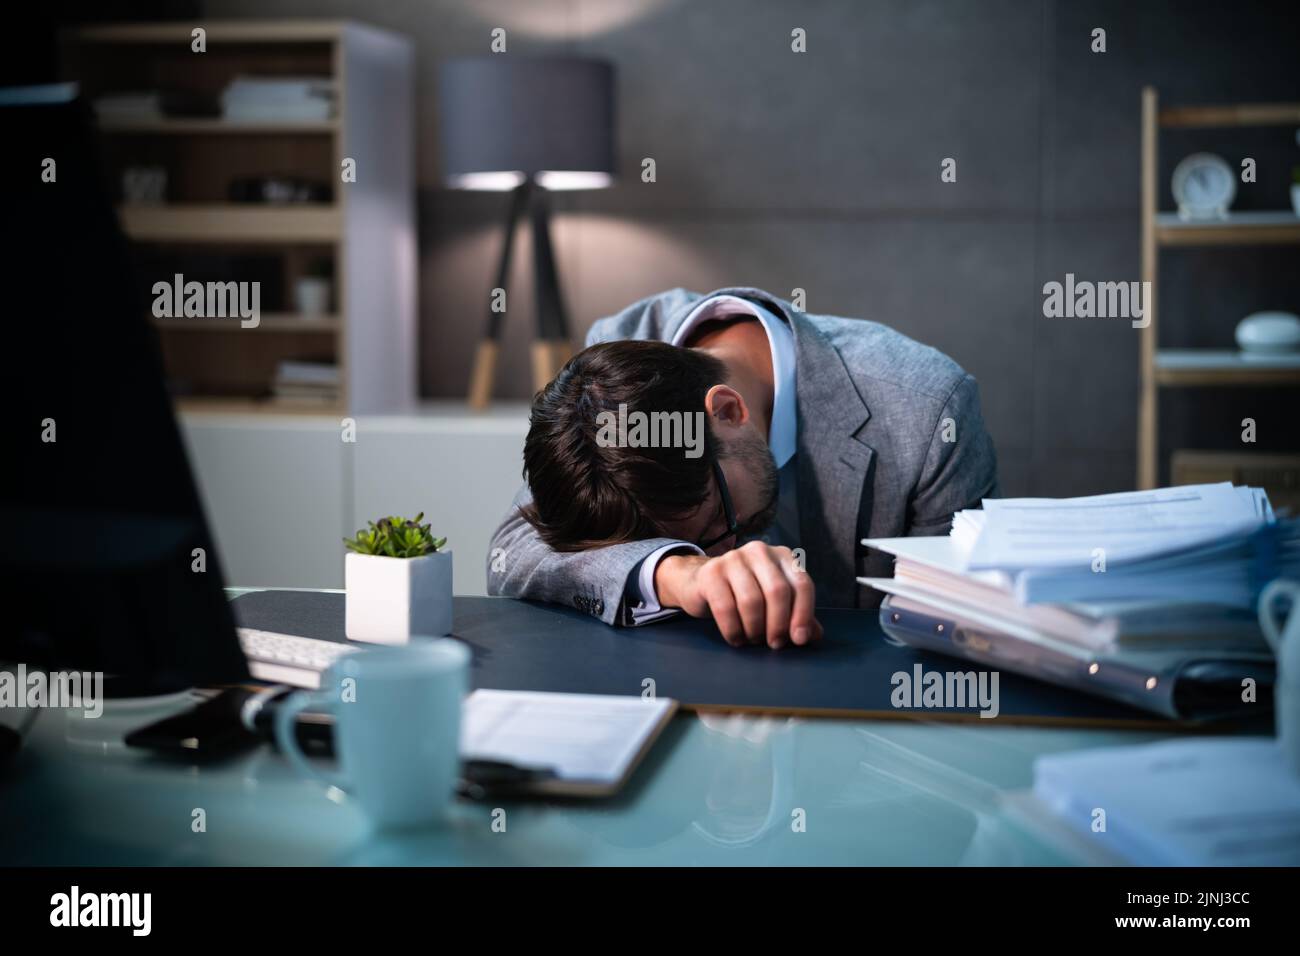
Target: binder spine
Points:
(1071, 667)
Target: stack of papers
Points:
(278, 99)
(1121, 595)
(1133, 545)
(1194, 545)
(1198, 802)
(933, 571)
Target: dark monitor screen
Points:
(106, 563)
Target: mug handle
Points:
(1267, 622)
(285, 716)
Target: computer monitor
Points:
(106, 562)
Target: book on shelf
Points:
(307, 382)
(278, 99)
(128, 107)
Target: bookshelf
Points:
(364, 231)
(1201, 368)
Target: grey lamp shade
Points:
(505, 118)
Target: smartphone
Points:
(210, 730)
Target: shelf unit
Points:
(1172, 368)
(367, 230)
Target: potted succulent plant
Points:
(398, 582)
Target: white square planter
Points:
(390, 599)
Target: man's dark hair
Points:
(588, 494)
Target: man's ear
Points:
(724, 405)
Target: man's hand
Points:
(755, 594)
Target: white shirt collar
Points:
(783, 436)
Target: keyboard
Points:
(288, 659)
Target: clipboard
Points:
(593, 743)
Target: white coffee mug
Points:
(396, 728)
(1284, 637)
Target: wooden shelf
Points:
(269, 322)
(1239, 229)
(1240, 114)
(1209, 367)
(176, 126)
(1160, 368)
(371, 69)
(227, 222)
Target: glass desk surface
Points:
(717, 789)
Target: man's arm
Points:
(961, 467)
(522, 565)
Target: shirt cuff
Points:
(642, 601)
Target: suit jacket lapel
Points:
(834, 464)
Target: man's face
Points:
(750, 474)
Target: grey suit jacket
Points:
(891, 442)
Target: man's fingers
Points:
(804, 626)
(749, 601)
(778, 594)
(757, 595)
(722, 606)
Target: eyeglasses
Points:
(727, 510)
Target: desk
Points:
(717, 790)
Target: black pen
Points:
(491, 778)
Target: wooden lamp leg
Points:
(551, 348)
(549, 357)
(483, 375)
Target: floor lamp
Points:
(530, 126)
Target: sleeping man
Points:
(723, 455)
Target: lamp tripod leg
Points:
(552, 347)
(483, 374)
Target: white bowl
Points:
(1269, 332)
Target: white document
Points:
(585, 738)
(1129, 526)
(1206, 801)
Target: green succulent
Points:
(395, 537)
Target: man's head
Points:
(623, 443)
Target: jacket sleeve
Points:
(960, 467)
(521, 565)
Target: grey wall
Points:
(821, 171)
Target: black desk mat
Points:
(519, 645)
